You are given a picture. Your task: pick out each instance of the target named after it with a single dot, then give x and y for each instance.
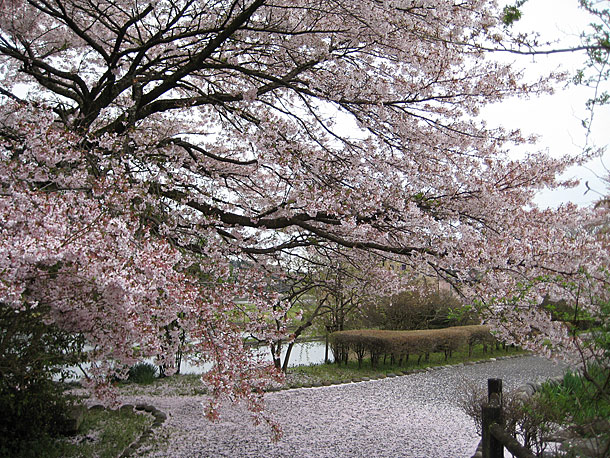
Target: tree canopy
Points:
(150, 148)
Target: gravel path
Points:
(413, 416)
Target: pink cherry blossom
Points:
(172, 157)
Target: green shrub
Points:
(32, 356)
(143, 373)
(578, 400)
(104, 433)
(31, 416)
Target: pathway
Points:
(413, 416)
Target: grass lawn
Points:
(103, 434)
(297, 376)
(106, 433)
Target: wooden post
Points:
(492, 414)
(494, 390)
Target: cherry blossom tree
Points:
(148, 148)
(77, 255)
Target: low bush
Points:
(570, 411)
(104, 433)
(530, 423)
(401, 344)
(478, 334)
(578, 401)
(30, 418)
(143, 373)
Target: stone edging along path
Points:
(159, 419)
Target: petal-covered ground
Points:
(413, 416)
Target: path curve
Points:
(413, 416)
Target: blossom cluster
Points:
(72, 246)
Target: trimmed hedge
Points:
(402, 344)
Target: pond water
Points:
(303, 353)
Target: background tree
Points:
(418, 309)
(322, 290)
(32, 355)
(345, 288)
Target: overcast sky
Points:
(557, 118)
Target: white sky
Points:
(557, 118)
